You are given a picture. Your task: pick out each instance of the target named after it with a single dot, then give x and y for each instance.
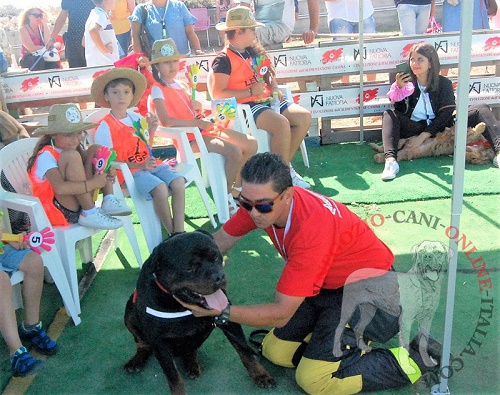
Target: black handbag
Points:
(143, 37)
(28, 60)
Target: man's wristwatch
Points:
(223, 317)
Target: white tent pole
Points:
(457, 185)
(361, 72)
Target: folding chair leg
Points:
(206, 201)
(305, 157)
(128, 228)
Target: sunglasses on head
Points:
(37, 15)
(261, 207)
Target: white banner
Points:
(338, 59)
(344, 102)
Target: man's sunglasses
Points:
(261, 207)
(37, 15)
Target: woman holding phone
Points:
(424, 102)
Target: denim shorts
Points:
(12, 258)
(338, 25)
(147, 180)
(257, 108)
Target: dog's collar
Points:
(164, 314)
(159, 285)
(167, 315)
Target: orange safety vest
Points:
(242, 77)
(128, 146)
(178, 105)
(44, 191)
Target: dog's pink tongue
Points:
(217, 301)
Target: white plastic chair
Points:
(247, 123)
(13, 161)
(188, 167)
(203, 22)
(51, 259)
(213, 173)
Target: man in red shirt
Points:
(322, 242)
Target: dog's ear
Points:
(448, 251)
(204, 232)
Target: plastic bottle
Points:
(14, 64)
(275, 103)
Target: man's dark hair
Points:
(265, 167)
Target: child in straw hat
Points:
(232, 75)
(131, 136)
(174, 107)
(63, 176)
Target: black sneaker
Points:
(39, 338)
(23, 364)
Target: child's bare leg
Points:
(72, 169)
(32, 267)
(8, 322)
(279, 129)
(178, 203)
(160, 202)
(300, 121)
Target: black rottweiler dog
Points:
(189, 266)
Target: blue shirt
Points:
(176, 18)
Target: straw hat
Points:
(238, 18)
(100, 83)
(164, 51)
(64, 118)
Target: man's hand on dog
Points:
(199, 311)
(216, 303)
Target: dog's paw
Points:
(379, 158)
(376, 147)
(337, 352)
(264, 380)
(134, 366)
(191, 365)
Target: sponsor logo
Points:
(280, 60)
(30, 83)
(332, 55)
(491, 43)
(368, 95)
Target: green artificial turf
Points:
(348, 173)
(92, 354)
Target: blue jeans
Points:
(413, 19)
(338, 25)
(124, 41)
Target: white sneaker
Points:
(390, 170)
(99, 220)
(115, 206)
(496, 160)
(297, 179)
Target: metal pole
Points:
(464, 63)
(361, 72)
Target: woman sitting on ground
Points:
(424, 105)
(233, 76)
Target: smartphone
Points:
(403, 68)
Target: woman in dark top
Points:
(424, 105)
